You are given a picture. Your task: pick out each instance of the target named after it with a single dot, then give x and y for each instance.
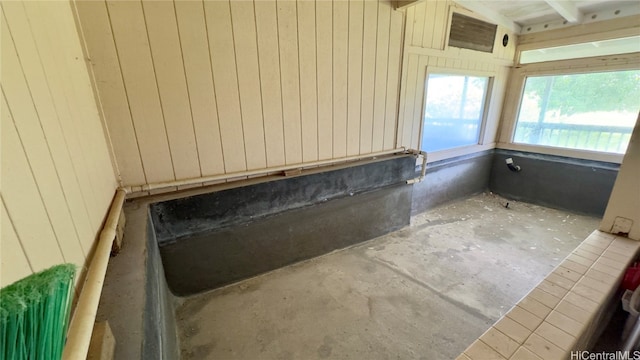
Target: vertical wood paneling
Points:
(166, 54)
(22, 198)
(354, 76)
(308, 87)
(36, 148)
(244, 32)
(115, 104)
(368, 75)
(393, 83)
(410, 21)
(269, 57)
(380, 86)
(88, 125)
(340, 58)
(223, 62)
(439, 24)
(130, 33)
(419, 19)
(53, 59)
(50, 121)
(427, 26)
(13, 261)
(263, 83)
(324, 45)
(404, 133)
(57, 176)
(195, 52)
(290, 80)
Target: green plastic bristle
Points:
(34, 314)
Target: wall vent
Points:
(470, 33)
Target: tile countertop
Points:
(559, 315)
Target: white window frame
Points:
(488, 126)
(563, 67)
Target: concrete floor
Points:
(424, 292)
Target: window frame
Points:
(553, 68)
(484, 142)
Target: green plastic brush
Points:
(34, 314)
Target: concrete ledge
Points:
(245, 203)
(135, 299)
(562, 313)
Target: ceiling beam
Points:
(490, 14)
(567, 9)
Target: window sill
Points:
(459, 151)
(573, 153)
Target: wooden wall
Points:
(57, 180)
(197, 88)
(426, 35)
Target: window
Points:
(594, 111)
(590, 49)
(453, 111)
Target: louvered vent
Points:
(469, 33)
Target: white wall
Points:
(57, 180)
(199, 88)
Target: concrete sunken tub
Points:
(201, 239)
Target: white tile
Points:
(499, 342)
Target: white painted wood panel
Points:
(96, 28)
(408, 107)
(66, 99)
(393, 81)
(223, 61)
(57, 177)
(380, 85)
(22, 198)
(308, 78)
(166, 54)
(88, 125)
(369, 58)
(269, 58)
(34, 143)
(354, 76)
(130, 34)
(13, 261)
(427, 26)
(244, 33)
(340, 59)
(290, 80)
(267, 82)
(50, 121)
(419, 20)
(197, 65)
(324, 46)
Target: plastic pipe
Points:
(84, 317)
(423, 171)
(199, 180)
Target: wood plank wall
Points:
(426, 35)
(56, 175)
(197, 88)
